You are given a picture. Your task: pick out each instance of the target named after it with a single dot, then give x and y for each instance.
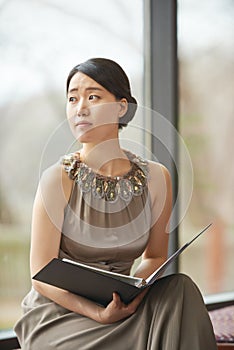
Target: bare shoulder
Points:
(158, 171)
(55, 173)
(159, 182)
(55, 179)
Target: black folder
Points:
(98, 285)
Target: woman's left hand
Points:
(116, 310)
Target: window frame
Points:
(161, 88)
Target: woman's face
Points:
(92, 111)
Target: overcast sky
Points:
(205, 24)
(47, 37)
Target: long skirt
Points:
(172, 316)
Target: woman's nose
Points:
(82, 109)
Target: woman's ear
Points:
(123, 107)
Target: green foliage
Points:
(14, 273)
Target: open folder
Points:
(97, 284)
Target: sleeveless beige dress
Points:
(107, 225)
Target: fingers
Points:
(130, 308)
(116, 297)
(121, 306)
(117, 301)
(116, 310)
(134, 303)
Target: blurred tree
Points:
(6, 214)
(207, 107)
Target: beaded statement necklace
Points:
(109, 188)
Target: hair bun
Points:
(128, 116)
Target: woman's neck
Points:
(106, 158)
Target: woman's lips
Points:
(83, 124)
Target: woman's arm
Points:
(47, 220)
(160, 190)
(48, 213)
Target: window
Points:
(35, 60)
(206, 112)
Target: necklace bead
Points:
(110, 188)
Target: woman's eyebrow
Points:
(94, 88)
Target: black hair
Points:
(112, 77)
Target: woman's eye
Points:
(93, 97)
(72, 99)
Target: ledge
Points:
(8, 340)
(217, 301)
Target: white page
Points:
(135, 281)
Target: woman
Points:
(105, 207)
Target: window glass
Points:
(206, 66)
(40, 42)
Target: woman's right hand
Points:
(116, 310)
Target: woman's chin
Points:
(96, 135)
(82, 137)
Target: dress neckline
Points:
(83, 164)
(125, 186)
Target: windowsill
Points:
(216, 301)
